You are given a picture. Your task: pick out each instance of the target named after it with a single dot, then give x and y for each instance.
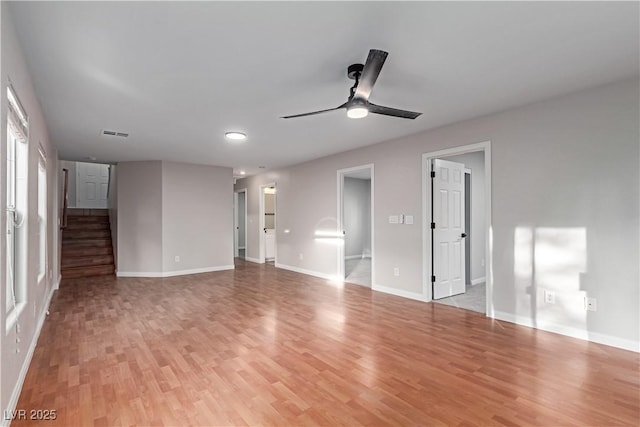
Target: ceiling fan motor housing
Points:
(354, 70)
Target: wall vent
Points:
(105, 132)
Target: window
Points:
(17, 189)
(42, 215)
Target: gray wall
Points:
(15, 347)
(477, 239)
(197, 216)
(357, 216)
(139, 216)
(549, 175)
(168, 209)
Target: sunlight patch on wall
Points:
(523, 266)
(549, 262)
(560, 260)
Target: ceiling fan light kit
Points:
(358, 105)
(357, 110)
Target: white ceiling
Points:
(177, 75)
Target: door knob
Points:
(463, 235)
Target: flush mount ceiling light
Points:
(235, 136)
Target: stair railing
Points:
(65, 202)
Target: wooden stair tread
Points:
(87, 271)
(87, 260)
(86, 234)
(87, 247)
(85, 242)
(78, 219)
(86, 226)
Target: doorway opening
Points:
(268, 223)
(355, 224)
(88, 185)
(240, 224)
(456, 235)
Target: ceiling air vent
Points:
(114, 133)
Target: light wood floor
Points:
(263, 346)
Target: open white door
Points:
(447, 225)
(91, 185)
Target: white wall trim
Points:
(485, 147)
(56, 284)
(15, 395)
(173, 273)
(478, 281)
(400, 293)
(570, 331)
(256, 260)
(305, 271)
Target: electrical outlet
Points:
(549, 297)
(301, 256)
(177, 258)
(396, 271)
(482, 262)
(590, 304)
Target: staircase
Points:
(86, 244)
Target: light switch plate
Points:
(408, 219)
(393, 219)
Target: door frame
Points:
(484, 147)
(236, 242)
(262, 252)
(340, 223)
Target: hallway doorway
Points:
(355, 201)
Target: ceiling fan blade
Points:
(370, 73)
(387, 111)
(314, 112)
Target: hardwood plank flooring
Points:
(264, 346)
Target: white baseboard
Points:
(256, 260)
(478, 281)
(13, 401)
(173, 273)
(400, 293)
(571, 332)
(305, 271)
(56, 285)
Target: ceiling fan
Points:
(358, 104)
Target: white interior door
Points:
(91, 185)
(448, 229)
